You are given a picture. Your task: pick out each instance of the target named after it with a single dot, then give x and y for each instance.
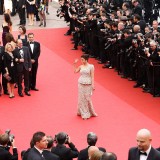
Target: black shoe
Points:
(47, 13)
(37, 19)
(136, 85)
(67, 34)
(6, 93)
(105, 66)
(40, 24)
(100, 62)
(74, 49)
(27, 93)
(147, 91)
(21, 95)
(35, 89)
(44, 24)
(157, 95)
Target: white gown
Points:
(8, 5)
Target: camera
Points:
(11, 136)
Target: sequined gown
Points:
(85, 106)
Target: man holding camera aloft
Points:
(4, 153)
(61, 150)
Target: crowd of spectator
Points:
(31, 8)
(43, 147)
(121, 34)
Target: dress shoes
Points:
(147, 91)
(105, 66)
(136, 85)
(157, 95)
(67, 34)
(74, 49)
(34, 89)
(100, 62)
(27, 93)
(21, 95)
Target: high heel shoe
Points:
(40, 24)
(44, 24)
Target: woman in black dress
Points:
(7, 27)
(22, 35)
(30, 11)
(10, 68)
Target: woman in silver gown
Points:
(85, 87)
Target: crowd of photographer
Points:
(43, 147)
(119, 35)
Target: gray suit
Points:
(23, 67)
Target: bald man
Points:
(144, 150)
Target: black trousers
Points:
(20, 75)
(33, 75)
(22, 15)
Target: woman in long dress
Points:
(85, 87)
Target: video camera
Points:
(11, 137)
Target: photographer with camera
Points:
(65, 153)
(5, 141)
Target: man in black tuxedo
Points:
(137, 8)
(21, 4)
(23, 66)
(144, 150)
(91, 140)
(48, 155)
(4, 153)
(2, 72)
(61, 150)
(34, 49)
(40, 143)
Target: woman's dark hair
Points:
(7, 19)
(85, 56)
(23, 29)
(10, 38)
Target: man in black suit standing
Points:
(144, 150)
(21, 5)
(40, 143)
(91, 140)
(23, 65)
(61, 150)
(4, 153)
(48, 155)
(34, 49)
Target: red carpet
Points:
(122, 110)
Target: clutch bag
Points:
(7, 77)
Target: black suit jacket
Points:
(20, 3)
(36, 51)
(6, 155)
(134, 154)
(65, 153)
(50, 156)
(27, 59)
(83, 154)
(34, 154)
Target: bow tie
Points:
(142, 153)
(31, 42)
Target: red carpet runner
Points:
(122, 110)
